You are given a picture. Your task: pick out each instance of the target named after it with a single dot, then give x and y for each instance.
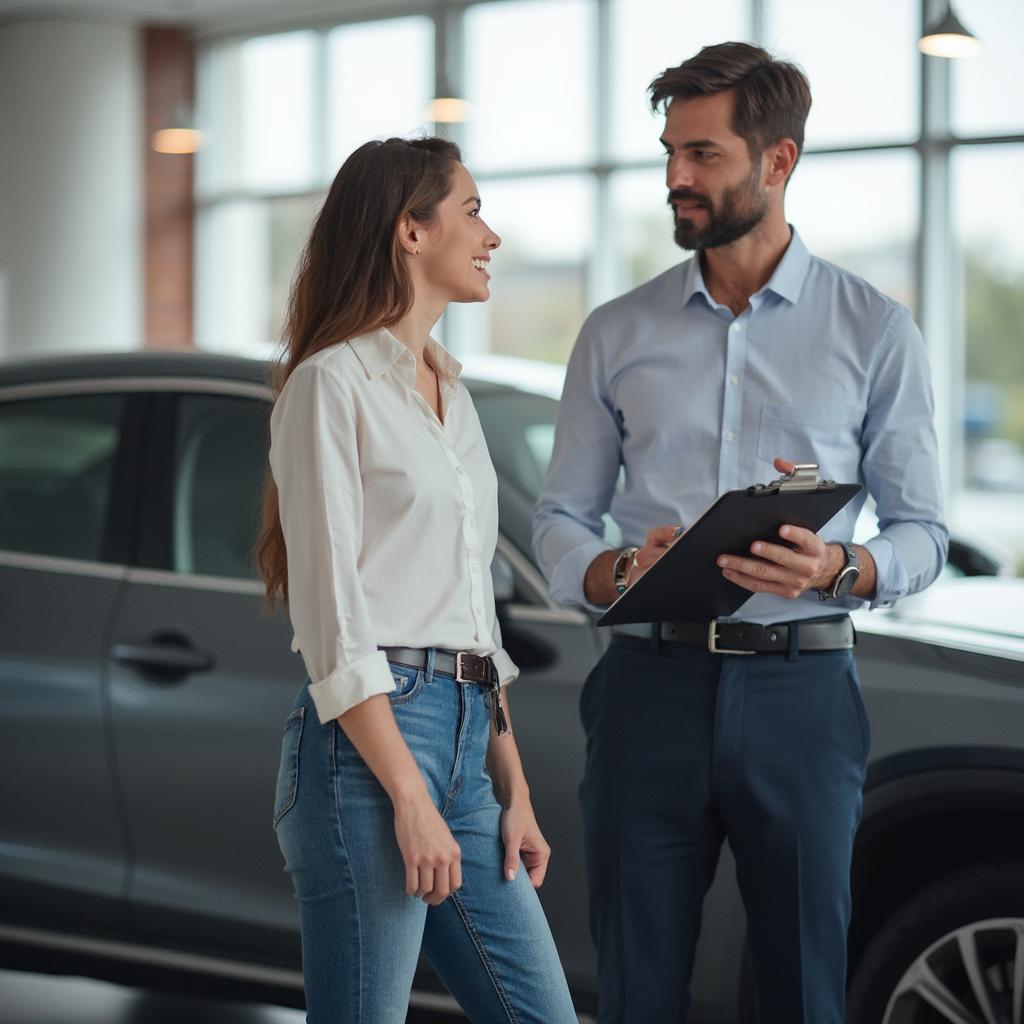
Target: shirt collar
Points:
(379, 350)
(787, 281)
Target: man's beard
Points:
(742, 208)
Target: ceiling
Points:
(202, 15)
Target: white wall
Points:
(71, 189)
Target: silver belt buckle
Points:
(459, 678)
(713, 641)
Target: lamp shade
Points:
(948, 38)
(180, 136)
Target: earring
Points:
(416, 252)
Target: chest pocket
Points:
(826, 435)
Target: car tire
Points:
(957, 943)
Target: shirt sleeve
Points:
(568, 531)
(508, 670)
(901, 466)
(315, 462)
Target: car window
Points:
(220, 458)
(56, 461)
(520, 432)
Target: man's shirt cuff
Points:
(891, 581)
(567, 577)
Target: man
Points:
(695, 383)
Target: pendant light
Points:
(947, 37)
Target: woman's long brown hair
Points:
(352, 278)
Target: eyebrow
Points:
(472, 199)
(696, 144)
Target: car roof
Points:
(67, 366)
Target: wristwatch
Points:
(620, 570)
(845, 580)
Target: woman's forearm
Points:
(503, 761)
(372, 728)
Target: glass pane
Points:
(987, 89)
(371, 93)
(277, 110)
(990, 212)
(246, 255)
(642, 227)
(860, 212)
(56, 458)
(528, 76)
(220, 462)
(538, 289)
(647, 37)
(520, 432)
(862, 63)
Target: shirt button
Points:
(730, 436)
(734, 380)
(459, 470)
(476, 566)
(478, 610)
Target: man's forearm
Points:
(598, 585)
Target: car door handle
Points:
(165, 659)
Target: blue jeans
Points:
(687, 748)
(361, 934)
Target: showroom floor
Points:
(43, 999)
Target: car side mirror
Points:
(503, 579)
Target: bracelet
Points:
(622, 566)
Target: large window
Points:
(565, 150)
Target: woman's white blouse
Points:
(390, 519)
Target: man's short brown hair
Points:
(773, 96)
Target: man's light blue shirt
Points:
(692, 401)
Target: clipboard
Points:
(685, 583)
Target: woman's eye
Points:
(475, 213)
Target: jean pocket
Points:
(288, 772)
(408, 682)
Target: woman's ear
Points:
(408, 236)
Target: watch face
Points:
(846, 581)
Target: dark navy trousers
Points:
(684, 749)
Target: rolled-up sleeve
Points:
(507, 669)
(315, 462)
(568, 530)
(901, 466)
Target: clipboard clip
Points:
(803, 478)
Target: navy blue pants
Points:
(687, 748)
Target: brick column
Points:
(169, 74)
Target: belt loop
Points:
(429, 670)
(655, 638)
(793, 652)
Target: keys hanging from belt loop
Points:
(500, 721)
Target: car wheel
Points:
(952, 954)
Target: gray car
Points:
(143, 691)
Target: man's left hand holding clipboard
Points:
(803, 562)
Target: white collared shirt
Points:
(390, 519)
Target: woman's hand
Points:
(523, 841)
(433, 860)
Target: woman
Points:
(380, 525)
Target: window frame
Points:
(938, 286)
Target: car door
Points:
(201, 683)
(67, 455)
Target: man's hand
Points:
(789, 571)
(598, 585)
(805, 563)
(659, 538)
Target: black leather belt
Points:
(466, 667)
(836, 634)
